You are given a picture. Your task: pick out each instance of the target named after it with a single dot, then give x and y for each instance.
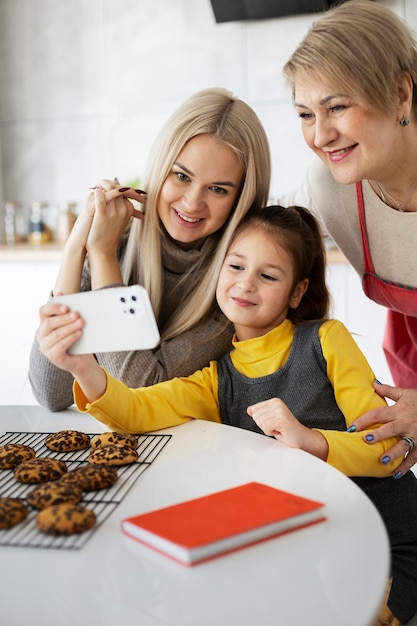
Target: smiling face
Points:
(200, 191)
(255, 286)
(355, 141)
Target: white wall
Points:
(86, 84)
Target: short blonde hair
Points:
(220, 114)
(359, 45)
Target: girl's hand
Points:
(399, 420)
(275, 419)
(59, 328)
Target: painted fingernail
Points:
(385, 460)
(397, 475)
(351, 429)
(369, 437)
(124, 189)
(141, 191)
(378, 382)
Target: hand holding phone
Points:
(115, 320)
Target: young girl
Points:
(292, 374)
(209, 165)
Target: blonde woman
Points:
(209, 164)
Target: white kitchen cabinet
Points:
(25, 287)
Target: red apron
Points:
(400, 339)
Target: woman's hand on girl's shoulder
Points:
(397, 420)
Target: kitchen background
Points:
(84, 87)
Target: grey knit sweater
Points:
(180, 356)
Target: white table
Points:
(329, 574)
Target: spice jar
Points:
(66, 220)
(39, 232)
(15, 222)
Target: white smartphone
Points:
(116, 319)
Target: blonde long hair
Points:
(218, 113)
(361, 46)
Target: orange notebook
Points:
(205, 527)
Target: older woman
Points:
(353, 80)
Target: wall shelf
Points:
(31, 252)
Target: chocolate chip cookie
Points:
(53, 492)
(67, 441)
(40, 470)
(65, 519)
(12, 454)
(120, 439)
(12, 512)
(91, 477)
(113, 454)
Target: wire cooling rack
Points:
(102, 502)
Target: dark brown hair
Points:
(298, 229)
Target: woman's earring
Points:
(404, 121)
